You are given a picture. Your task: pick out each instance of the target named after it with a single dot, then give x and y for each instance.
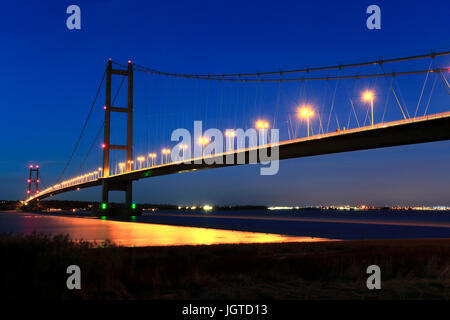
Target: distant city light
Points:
(207, 207)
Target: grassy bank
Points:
(35, 267)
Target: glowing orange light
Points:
(368, 95)
(305, 112)
(203, 140)
(261, 124)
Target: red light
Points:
(37, 181)
(37, 166)
(37, 191)
(129, 61)
(31, 166)
(103, 145)
(28, 191)
(29, 180)
(104, 107)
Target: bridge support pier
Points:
(107, 146)
(127, 187)
(105, 192)
(129, 194)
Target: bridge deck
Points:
(411, 131)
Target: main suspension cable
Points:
(99, 131)
(355, 76)
(83, 129)
(282, 72)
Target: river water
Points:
(132, 233)
(345, 225)
(186, 227)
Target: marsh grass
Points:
(34, 266)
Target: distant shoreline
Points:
(80, 206)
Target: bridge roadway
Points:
(410, 131)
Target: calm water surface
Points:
(187, 227)
(376, 224)
(132, 233)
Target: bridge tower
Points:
(33, 180)
(107, 146)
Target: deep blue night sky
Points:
(50, 75)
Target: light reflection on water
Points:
(134, 234)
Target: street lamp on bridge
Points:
(140, 159)
(230, 134)
(368, 96)
(183, 148)
(130, 165)
(262, 126)
(153, 157)
(164, 152)
(306, 112)
(203, 141)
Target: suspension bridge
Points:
(312, 127)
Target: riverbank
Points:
(34, 266)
